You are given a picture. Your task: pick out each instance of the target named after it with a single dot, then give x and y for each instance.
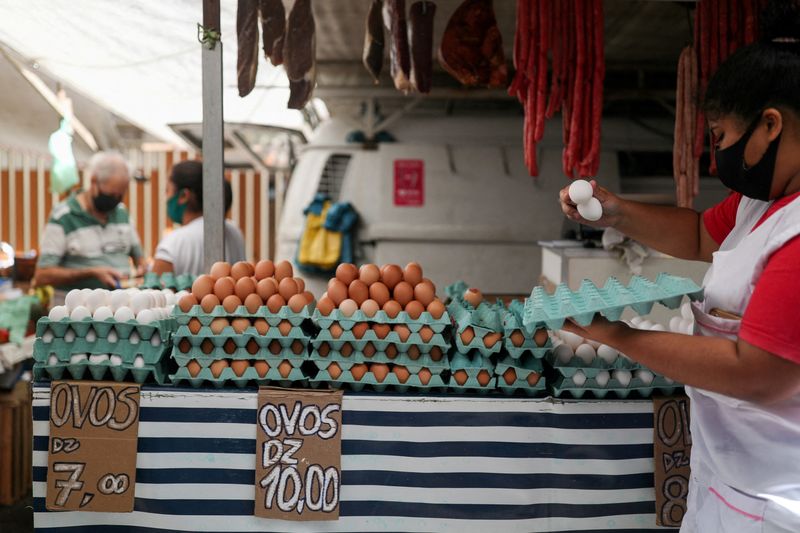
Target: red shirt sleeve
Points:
(770, 320)
(720, 219)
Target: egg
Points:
(370, 308)
(391, 275)
(220, 269)
(467, 335)
(145, 316)
(231, 303)
(436, 309)
(403, 293)
(414, 352)
(490, 339)
(571, 339)
(686, 311)
(424, 376)
(644, 375)
(287, 288)
(59, 312)
(580, 191)
(414, 309)
(202, 286)
(358, 371)
(563, 353)
(309, 296)
(334, 371)
(360, 329)
(266, 288)
(77, 358)
(98, 358)
(348, 307)
(674, 324)
(324, 349)
(187, 302)
(138, 362)
(586, 353)
(298, 347)
(402, 332)
(473, 296)
(645, 325)
(402, 373)
(335, 330)
(346, 350)
(602, 378)
(424, 293)
(101, 313)
(253, 302)
(379, 371)
(540, 337)
(592, 210)
(510, 376)
(74, 299)
(218, 366)
(69, 336)
(230, 346)
(262, 367)
(425, 334)
(98, 298)
(381, 330)
(392, 309)
(358, 291)
(239, 367)
(301, 285)
(275, 348)
(337, 292)
(436, 353)
(533, 378)
(579, 378)
(218, 324)
(91, 336)
(184, 346)
(123, 314)
(391, 351)
(275, 303)
(368, 350)
(264, 269)
(379, 292)
(369, 274)
(140, 301)
(283, 270)
(297, 303)
(346, 273)
(252, 346)
(607, 353)
(209, 302)
(241, 270)
(484, 378)
(285, 327)
(325, 306)
(460, 376)
(224, 287)
(261, 325)
(245, 287)
(517, 338)
(623, 376)
(207, 346)
(412, 274)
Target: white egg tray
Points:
(103, 328)
(591, 387)
(100, 371)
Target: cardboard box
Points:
(16, 438)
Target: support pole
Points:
(213, 160)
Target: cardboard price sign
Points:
(673, 446)
(299, 454)
(91, 464)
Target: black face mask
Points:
(105, 203)
(754, 182)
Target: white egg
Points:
(116, 360)
(145, 316)
(58, 312)
(579, 378)
(645, 325)
(169, 297)
(123, 314)
(591, 210)
(668, 380)
(556, 342)
(607, 353)
(658, 327)
(593, 344)
(645, 375)
(571, 339)
(138, 362)
(79, 313)
(52, 360)
(155, 340)
(98, 298)
(675, 324)
(69, 336)
(77, 358)
(119, 299)
(112, 337)
(686, 311)
(623, 376)
(140, 301)
(134, 338)
(73, 299)
(102, 313)
(91, 335)
(563, 353)
(586, 353)
(47, 337)
(98, 358)
(602, 378)
(580, 191)
(635, 321)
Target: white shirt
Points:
(183, 247)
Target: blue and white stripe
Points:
(409, 463)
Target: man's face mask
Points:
(105, 203)
(754, 182)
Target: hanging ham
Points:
(394, 17)
(420, 34)
(299, 54)
(273, 29)
(247, 41)
(374, 40)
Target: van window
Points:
(330, 183)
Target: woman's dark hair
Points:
(763, 74)
(189, 175)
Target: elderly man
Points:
(89, 241)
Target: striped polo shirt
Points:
(73, 238)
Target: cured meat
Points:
(420, 33)
(374, 41)
(247, 40)
(299, 52)
(300, 92)
(273, 29)
(394, 17)
(472, 47)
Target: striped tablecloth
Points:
(409, 463)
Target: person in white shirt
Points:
(181, 251)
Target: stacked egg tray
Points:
(141, 350)
(528, 373)
(512, 323)
(471, 372)
(167, 280)
(485, 320)
(414, 353)
(564, 386)
(551, 310)
(274, 348)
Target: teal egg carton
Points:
(167, 280)
(472, 363)
(477, 344)
(241, 343)
(273, 319)
(565, 384)
(100, 371)
(346, 379)
(523, 367)
(241, 339)
(487, 316)
(64, 350)
(402, 359)
(393, 338)
(104, 328)
(438, 325)
(590, 370)
(272, 360)
(456, 290)
(273, 333)
(640, 294)
(273, 376)
(512, 322)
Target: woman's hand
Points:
(612, 207)
(600, 330)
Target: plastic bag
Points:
(64, 173)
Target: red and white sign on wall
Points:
(409, 182)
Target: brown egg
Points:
(402, 373)
(360, 329)
(368, 350)
(346, 350)
(297, 303)
(428, 282)
(231, 303)
(413, 352)
(412, 274)
(283, 270)
(358, 371)
(517, 338)
(424, 376)
(335, 330)
(242, 269)
(229, 347)
(218, 324)
(220, 269)
(358, 291)
(379, 293)
(484, 378)
(533, 379)
(473, 296)
(275, 303)
(264, 269)
(309, 297)
(436, 309)
(391, 275)
(334, 371)
(209, 302)
(402, 332)
(275, 348)
(224, 287)
(252, 347)
(184, 346)
(301, 285)
(202, 286)
(266, 288)
(369, 274)
(262, 367)
(287, 288)
(540, 337)
(261, 325)
(403, 293)
(285, 368)
(510, 376)
(380, 371)
(239, 367)
(218, 366)
(460, 376)
(194, 326)
(298, 347)
(425, 333)
(187, 302)
(337, 292)
(207, 346)
(424, 293)
(245, 287)
(391, 351)
(348, 307)
(253, 302)
(193, 367)
(392, 309)
(325, 306)
(240, 324)
(414, 309)
(436, 353)
(381, 330)
(285, 327)
(346, 273)
(370, 308)
(324, 349)
(467, 335)
(491, 339)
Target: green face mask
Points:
(174, 209)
